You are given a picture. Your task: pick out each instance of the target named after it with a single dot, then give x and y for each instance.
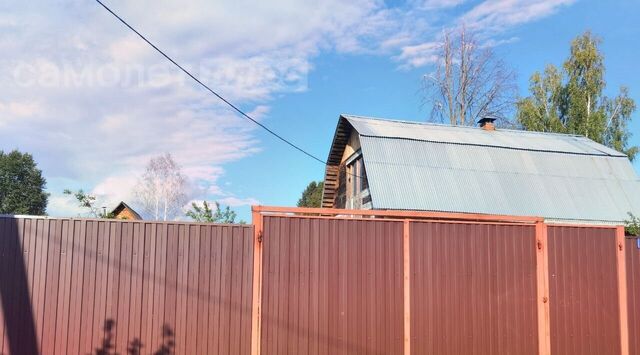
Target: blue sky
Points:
(92, 103)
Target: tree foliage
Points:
(21, 185)
(312, 195)
(162, 188)
(469, 81)
(571, 99)
(632, 225)
(204, 213)
(88, 202)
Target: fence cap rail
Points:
(398, 214)
(92, 219)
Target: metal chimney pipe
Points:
(487, 123)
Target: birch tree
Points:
(571, 100)
(469, 81)
(161, 190)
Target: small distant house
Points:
(123, 211)
(398, 165)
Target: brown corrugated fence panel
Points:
(633, 293)
(583, 290)
(69, 286)
(473, 289)
(332, 286)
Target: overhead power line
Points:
(234, 107)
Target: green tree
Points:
(571, 100)
(204, 213)
(312, 195)
(541, 111)
(21, 185)
(632, 225)
(619, 112)
(88, 202)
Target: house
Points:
(398, 165)
(123, 211)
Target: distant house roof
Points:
(125, 212)
(419, 166)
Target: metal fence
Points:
(326, 282)
(400, 282)
(81, 286)
(583, 288)
(633, 289)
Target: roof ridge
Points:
(448, 126)
(601, 154)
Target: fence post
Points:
(256, 311)
(542, 287)
(622, 290)
(406, 253)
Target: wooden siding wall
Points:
(86, 282)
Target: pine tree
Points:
(312, 195)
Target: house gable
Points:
(336, 154)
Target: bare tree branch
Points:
(468, 82)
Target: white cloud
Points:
(499, 15)
(440, 4)
(93, 103)
(16, 110)
(419, 55)
(488, 20)
(65, 206)
(113, 189)
(235, 201)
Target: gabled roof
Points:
(419, 166)
(121, 206)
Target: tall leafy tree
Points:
(21, 185)
(312, 195)
(618, 111)
(541, 110)
(571, 99)
(583, 91)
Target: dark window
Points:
(364, 182)
(358, 176)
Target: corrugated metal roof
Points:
(413, 166)
(502, 138)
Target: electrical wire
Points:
(234, 107)
(206, 87)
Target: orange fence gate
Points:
(393, 282)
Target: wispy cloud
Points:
(440, 4)
(489, 20)
(500, 15)
(419, 55)
(93, 103)
(235, 201)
